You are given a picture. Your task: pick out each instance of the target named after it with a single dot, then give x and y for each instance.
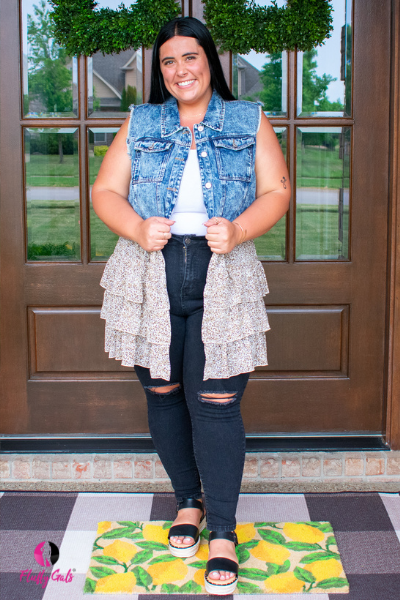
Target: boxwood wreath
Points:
(236, 25)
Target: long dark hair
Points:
(186, 27)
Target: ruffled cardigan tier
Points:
(137, 313)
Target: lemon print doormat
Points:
(274, 558)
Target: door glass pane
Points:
(115, 81)
(262, 77)
(324, 73)
(50, 77)
(52, 194)
(322, 193)
(102, 240)
(272, 245)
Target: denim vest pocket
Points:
(235, 157)
(150, 160)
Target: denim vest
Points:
(226, 147)
(136, 303)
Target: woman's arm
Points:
(272, 196)
(110, 199)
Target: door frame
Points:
(393, 320)
(11, 146)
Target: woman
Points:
(190, 180)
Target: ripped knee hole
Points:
(165, 389)
(218, 397)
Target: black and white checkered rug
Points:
(366, 526)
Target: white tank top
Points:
(189, 211)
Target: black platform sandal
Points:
(220, 563)
(187, 530)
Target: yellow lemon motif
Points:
(155, 533)
(245, 532)
(202, 552)
(122, 551)
(103, 526)
(324, 569)
(270, 552)
(199, 577)
(284, 583)
(120, 582)
(299, 532)
(168, 572)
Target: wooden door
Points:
(326, 263)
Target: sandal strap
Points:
(221, 563)
(224, 535)
(190, 503)
(185, 529)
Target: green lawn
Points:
(53, 230)
(315, 168)
(54, 233)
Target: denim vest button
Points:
(200, 128)
(208, 185)
(203, 154)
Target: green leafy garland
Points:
(83, 30)
(241, 25)
(236, 25)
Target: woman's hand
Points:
(222, 235)
(153, 233)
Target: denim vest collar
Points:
(214, 117)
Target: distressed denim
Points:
(198, 440)
(226, 147)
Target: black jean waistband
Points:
(182, 239)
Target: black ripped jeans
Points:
(197, 439)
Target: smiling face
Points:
(186, 73)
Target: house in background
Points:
(109, 76)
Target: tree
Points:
(128, 97)
(271, 78)
(49, 79)
(315, 87)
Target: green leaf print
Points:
(248, 545)
(120, 532)
(257, 574)
(205, 534)
(243, 554)
(133, 524)
(264, 524)
(246, 587)
(304, 575)
(198, 564)
(162, 558)
(190, 587)
(333, 582)
(331, 541)
(134, 536)
(142, 557)
(152, 546)
(285, 567)
(106, 560)
(273, 569)
(272, 536)
(90, 586)
(167, 524)
(319, 556)
(302, 546)
(170, 588)
(101, 571)
(143, 578)
(323, 526)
